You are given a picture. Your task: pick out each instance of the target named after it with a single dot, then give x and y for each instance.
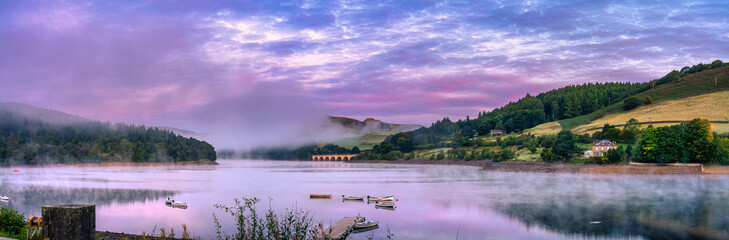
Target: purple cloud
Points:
(163, 63)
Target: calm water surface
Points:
(434, 202)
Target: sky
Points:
(201, 64)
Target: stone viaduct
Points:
(333, 157)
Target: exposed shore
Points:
(542, 167)
(118, 164)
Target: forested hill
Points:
(570, 103)
(28, 140)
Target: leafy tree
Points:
(699, 140)
(565, 144)
(484, 128)
(648, 100)
(548, 155)
(355, 150)
(615, 155)
(500, 125)
(630, 103)
(646, 145)
(722, 150)
(608, 132)
(630, 130)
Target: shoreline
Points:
(116, 164)
(543, 167)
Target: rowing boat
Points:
(352, 197)
(320, 196)
(367, 224)
(381, 199)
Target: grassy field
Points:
(544, 129)
(712, 106)
(365, 142)
(526, 155)
(692, 85)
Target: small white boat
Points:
(381, 199)
(367, 224)
(352, 197)
(385, 205)
(4, 198)
(169, 201)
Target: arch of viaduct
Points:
(333, 157)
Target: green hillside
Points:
(672, 87)
(26, 138)
(694, 92)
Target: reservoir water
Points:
(433, 202)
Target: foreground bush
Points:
(12, 222)
(293, 224)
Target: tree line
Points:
(288, 153)
(24, 141)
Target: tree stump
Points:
(69, 221)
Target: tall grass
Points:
(250, 225)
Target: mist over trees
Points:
(24, 141)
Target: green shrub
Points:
(630, 103)
(11, 221)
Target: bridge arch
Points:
(333, 157)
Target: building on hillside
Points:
(496, 132)
(589, 153)
(600, 148)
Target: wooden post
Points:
(69, 221)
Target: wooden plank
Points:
(340, 228)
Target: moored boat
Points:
(359, 198)
(179, 204)
(367, 224)
(320, 196)
(385, 205)
(4, 198)
(381, 199)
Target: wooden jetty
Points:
(339, 229)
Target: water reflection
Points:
(30, 199)
(663, 208)
(435, 202)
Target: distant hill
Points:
(371, 125)
(369, 132)
(32, 135)
(41, 114)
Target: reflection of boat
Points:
(5, 198)
(174, 204)
(385, 204)
(359, 230)
(381, 199)
(367, 224)
(320, 196)
(385, 208)
(352, 197)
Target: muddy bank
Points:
(543, 167)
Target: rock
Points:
(69, 221)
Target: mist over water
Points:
(434, 202)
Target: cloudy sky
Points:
(181, 63)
